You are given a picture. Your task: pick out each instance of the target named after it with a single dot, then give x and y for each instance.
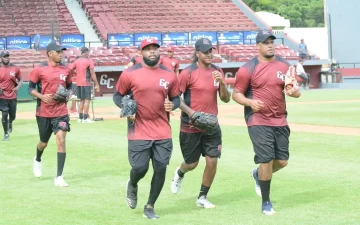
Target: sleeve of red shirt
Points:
(69, 77)
(18, 73)
(242, 80)
(123, 84)
(184, 80)
(91, 64)
(174, 87)
(34, 75)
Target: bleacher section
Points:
(23, 17)
(131, 16)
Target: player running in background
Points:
(135, 59)
(200, 84)
(259, 86)
(10, 83)
(155, 89)
(84, 67)
(170, 62)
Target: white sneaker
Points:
(80, 120)
(203, 202)
(176, 182)
(60, 182)
(88, 121)
(37, 168)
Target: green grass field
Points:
(319, 186)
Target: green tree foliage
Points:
(304, 13)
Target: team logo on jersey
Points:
(12, 73)
(216, 83)
(63, 77)
(281, 76)
(164, 83)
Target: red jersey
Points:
(264, 81)
(200, 92)
(150, 88)
(82, 66)
(47, 78)
(136, 59)
(9, 75)
(170, 63)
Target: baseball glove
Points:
(128, 106)
(204, 121)
(61, 94)
(290, 80)
(1, 91)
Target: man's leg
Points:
(45, 131)
(212, 146)
(12, 113)
(263, 140)
(60, 127)
(86, 109)
(161, 153)
(190, 144)
(139, 153)
(5, 121)
(81, 109)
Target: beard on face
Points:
(269, 56)
(5, 62)
(151, 62)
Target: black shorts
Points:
(141, 151)
(270, 143)
(49, 125)
(195, 144)
(8, 105)
(83, 92)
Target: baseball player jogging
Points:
(200, 133)
(47, 83)
(260, 86)
(146, 93)
(84, 67)
(135, 59)
(170, 62)
(10, 83)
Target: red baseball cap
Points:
(149, 41)
(171, 48)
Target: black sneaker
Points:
(131, 195)
(149, 213)
(10, 128)
(6, 137)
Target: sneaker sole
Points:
(150, 218)
(202, 206)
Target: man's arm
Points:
(186, 109)
(177, 71)
(93, 77)
(223, 91)
(117, 99)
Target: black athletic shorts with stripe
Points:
(193, 145)
(141, 151)
(47, 126)
(270, 143)
(9, 105)
(83, 92)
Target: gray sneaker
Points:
(149, 213)
(131, 195)
(6, 137)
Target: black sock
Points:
(38, 154)
(137, 174)
(61, 162)
(265, 189)
(181, 174)
(203, 191)
(81, 116)
(157, 184)
(86, 116)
